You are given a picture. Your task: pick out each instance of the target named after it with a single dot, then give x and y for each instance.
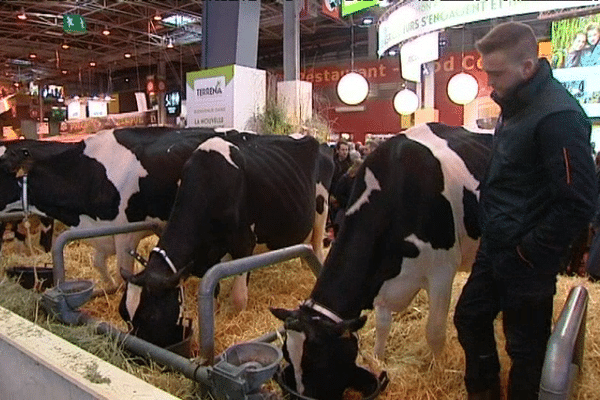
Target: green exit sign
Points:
(74, 23)
(352, 6)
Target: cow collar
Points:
(181, 299)
(313, 305)
(165, 257)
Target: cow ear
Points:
(345, 328)
(131, 278)
(282, 314)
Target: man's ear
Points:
(529, 68)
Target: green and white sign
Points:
(352, 6)
(74, 23)
(417, 17)
(227, 96)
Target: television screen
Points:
(52, 92)
(576, 59)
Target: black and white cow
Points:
(411, 222)
(237, 192)
(108, 179)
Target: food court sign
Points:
(417, 17)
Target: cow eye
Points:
(25, 152)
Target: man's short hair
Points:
(516, 39)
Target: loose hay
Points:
(414, 375)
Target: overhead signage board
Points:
(416, 52)
(415, 18)
(353, 6)
(74, 23)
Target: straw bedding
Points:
(414, 374)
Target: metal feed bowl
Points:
(249, 364)
(362, 380)
(75, 293)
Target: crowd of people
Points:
(347, 159)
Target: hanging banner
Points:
(353, 6)
(330, 9)
(417, 52)
(419, 17)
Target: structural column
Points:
(230, 33)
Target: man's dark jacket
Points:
(540, 188)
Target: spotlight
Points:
(21, 15)
(127, 55)
(65, 46)
(92, 63)
(368, 21)
(106, 31)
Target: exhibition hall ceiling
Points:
(134, 27)
(135, 35)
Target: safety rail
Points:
(564, 354)
(70, 235)
(235, 267)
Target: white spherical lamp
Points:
(406, 102)
(462, 88)
(353, 88)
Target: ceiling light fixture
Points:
(65, 45)
(92, 63)
(352, 88)
(106, 31)
(21, 15)
(127, 55)
(157, 17)
(32, 55)
(170, 43)
(64, 72)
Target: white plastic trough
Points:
(36, 364)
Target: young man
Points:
(538, 193)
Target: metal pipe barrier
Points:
(564, 354)
(12, 216)
(234, 267)
(187, 367)
(70, 235)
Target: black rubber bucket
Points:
(26, 276)
(363, 381)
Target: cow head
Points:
(152, 304)
(321, 351)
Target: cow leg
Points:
(394, 295)
(239, 292)
(439, 291)
(101, 266)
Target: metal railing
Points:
(235, 267)
(564, 354)
(70, 235)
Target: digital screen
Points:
(576, 59)
(173, 103)
(53, 92)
